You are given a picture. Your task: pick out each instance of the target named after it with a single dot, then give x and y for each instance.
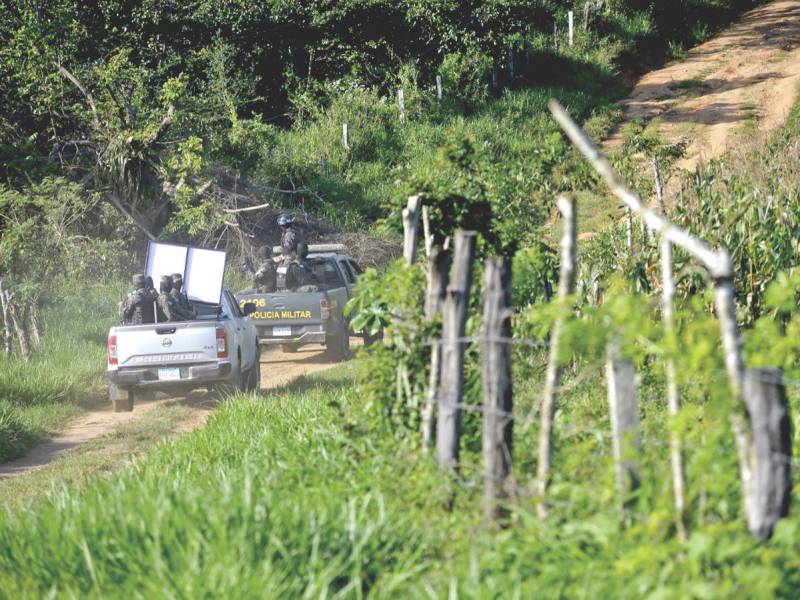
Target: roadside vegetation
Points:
(324, 488)
(64, 376)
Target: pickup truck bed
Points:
(220, 348)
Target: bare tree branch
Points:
(66, 73)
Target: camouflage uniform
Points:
(164, 310)
(266, 277)
(181, 307)
(137, 307)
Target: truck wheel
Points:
(253, 379)
(234, 385)
(123, 402)
(337, 347)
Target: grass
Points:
(301, 494)
(62, 377)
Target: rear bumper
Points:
(301, 334)
(190, 374)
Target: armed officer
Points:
(181, 307)
(164, 304)
(137, 307)
(290, 233)
(266, 277)
(306, 276)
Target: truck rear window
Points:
(327, 273)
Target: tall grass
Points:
(64, 374)
(305, 495)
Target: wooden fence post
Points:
(498, 422)
(438, 276)
(717, 262)
(511, 62)
(571, 19)
(345, 137)
(629, 228)
(624, 411)
(411, 229)
(495, 79)
(566, 287)
(8, 335)
(659, 186)
(439, 88)
(426, 231)
(401, 104)
(448, 424)
(673, 396)
(769, 490)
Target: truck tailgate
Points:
(285, 308)
(167, 343)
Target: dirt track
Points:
(277, 369)
(741, 81)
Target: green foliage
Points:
(393, 374)
(36, 396)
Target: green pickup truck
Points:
(293, 319)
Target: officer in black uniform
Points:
(181, 307)
(137, 307)
(305, 274)
(164, 303)
(266, 277)
(287, 271)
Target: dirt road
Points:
(741, 81)
(277, 370)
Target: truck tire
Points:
(234, 386)
(337, 347)
(123, 402)
(253, 379)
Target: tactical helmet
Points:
(302, 249)
(139, 281)
(166, 283)
(177, 280)
(285, 220)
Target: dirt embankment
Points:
(742, 81)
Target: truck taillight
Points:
(222, 343)
(325, 308)
(112, 350)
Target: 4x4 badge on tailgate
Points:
(166, 342)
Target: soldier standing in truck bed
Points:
(290, 233)
(137, 307)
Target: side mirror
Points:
(248, 309)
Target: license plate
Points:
(282, 331)
(169, 374)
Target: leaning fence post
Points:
(566, 287)
(438, 276)
(624, 412)
(498, 422)
(767, 496)
(411, 229)
(673, 396)
(717, 262)
(448, 424)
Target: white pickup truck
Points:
(217, 350)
